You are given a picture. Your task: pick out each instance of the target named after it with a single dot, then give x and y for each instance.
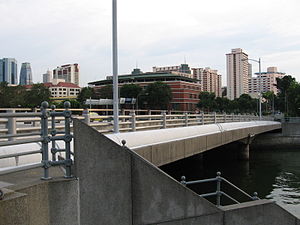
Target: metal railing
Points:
(43, 135)
(219, 193)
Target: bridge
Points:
(99, 170)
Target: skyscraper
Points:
(25, 74)
(47, 77)
(8, 70)
(237, 73)
(69, 73)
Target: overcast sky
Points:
(48, 33)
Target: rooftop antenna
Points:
(184, 60)
(136, 64)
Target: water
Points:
(275, 175)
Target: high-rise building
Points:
(8, 70)
(47, 77)
(25, 74)
(209, 79)
(69, 73)
(237, 73)
(266, 81)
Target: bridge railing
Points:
(44, 134)
(22, 124)
(219, 193)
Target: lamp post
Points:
(259, 77)
(115, 67)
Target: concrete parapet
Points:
(117, 186)
(291, 129)
(257, 213)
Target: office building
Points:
(47, 77)
(25, 74)
(266, 81)
(185, 90)
(8, 71)
(69, 73)
(237, 73)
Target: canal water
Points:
(275, 175)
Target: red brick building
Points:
(185, 90)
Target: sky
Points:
(50, 33)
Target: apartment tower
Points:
(237, 73)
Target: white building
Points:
(69, 73)
(237, 73)
(265, 82)
(47, 77)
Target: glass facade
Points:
(25, 74)
(8, 70)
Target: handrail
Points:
(218, 192)
(48, 134)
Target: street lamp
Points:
(115, 67)
(259, 94)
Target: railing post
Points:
(53, 133)
(255, 196)
(68, 139)
(133, 121)
(186, 119)
(232, 115)
(11, 125)
(202, 117)
(240, 118)
(86, 115)
(183, 181)
(224, 117)
(164, 125)
(219, 193)
(215, 117)
(46, 140)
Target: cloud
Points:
(49, 33)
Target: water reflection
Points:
(274, 175)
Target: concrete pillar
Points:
(11, 125)
(86, 115)
(243, 152)
(133, 121)
(164, 125)
(186, 119)
(202, 115)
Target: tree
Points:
(246, 104)
(158, 95)
(222, 104)
(284, 84)
(36, 95)
(130, 91)
(207, 101)
(84, 94)
(106, 92)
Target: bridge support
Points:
(244, 144)
(243, 153)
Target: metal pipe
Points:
(115, 67)
(231, 184)
(6, 115)
(21, 141)
(219, 193)
(20, 154)
(21, 168)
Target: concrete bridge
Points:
(161, 147)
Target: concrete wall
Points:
(291, 129)
(41, 203)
